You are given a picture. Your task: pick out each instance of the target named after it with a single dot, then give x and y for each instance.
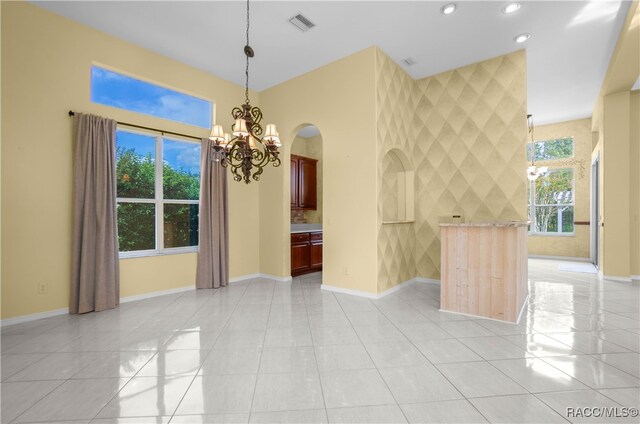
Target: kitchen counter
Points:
(305, 228)
(484, 269)
(485, 224)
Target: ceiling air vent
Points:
(302, 23)
(409, 61)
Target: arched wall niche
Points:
(398, 188)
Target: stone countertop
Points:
(305, 228)
(485, 224)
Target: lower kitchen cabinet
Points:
(306, 253)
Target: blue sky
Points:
(121, 91)
(178, 154)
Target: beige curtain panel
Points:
(213, 253)
(95, 275)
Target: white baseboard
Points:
(150, 295)
(615, 278)
(287, 279)
(396, 288)
(426, 280)
(243, 278)
(381, 294)
(259, 275)
(635, 277)
(560, 258)
(32, 317)
(348, 291)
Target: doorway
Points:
(306, 186)
(595, 210)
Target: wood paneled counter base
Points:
(484, 269)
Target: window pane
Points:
(124, 92)
(560, 148)
(181, 170)
(135, 165)
(180, 225)
(136, 226)
(554, 219)
(556, 187)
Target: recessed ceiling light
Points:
(522, 37)
(448, 9)
(511, 8)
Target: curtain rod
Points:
(163, 132)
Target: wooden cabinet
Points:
(304, 183)
(306, 253)
(484, 269)
(294, 182)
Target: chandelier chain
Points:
(533, 145)
(246, 71)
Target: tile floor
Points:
(262, 351)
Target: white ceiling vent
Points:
(302, 23)
(409, 61)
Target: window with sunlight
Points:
(551, 203)
(158, 188)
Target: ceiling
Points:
(309, 131)
(567, 55)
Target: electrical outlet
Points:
(345, 271)
(43, 288)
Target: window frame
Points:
(532, 205)
(159, 201)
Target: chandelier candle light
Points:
(533, 172)
(246, 153)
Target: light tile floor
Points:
(263, 351)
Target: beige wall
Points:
(613, 123)
(578, 244)
(634, 188)
(338, 99)
(46, 62)
(311, 147)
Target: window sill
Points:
(397, 222)
(164, 252)
(552, 234)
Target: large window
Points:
(158, 190)
(551, 203)
(118, 90)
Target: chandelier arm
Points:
(260, 158)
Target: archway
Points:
(306, 201)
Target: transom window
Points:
(559, 148)
(551, 202)
(122, 91)
(158, 188)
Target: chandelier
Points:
(246, 153)
(533, 172)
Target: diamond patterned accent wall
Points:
(396, 100)
(469, 148)
(465, 132)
